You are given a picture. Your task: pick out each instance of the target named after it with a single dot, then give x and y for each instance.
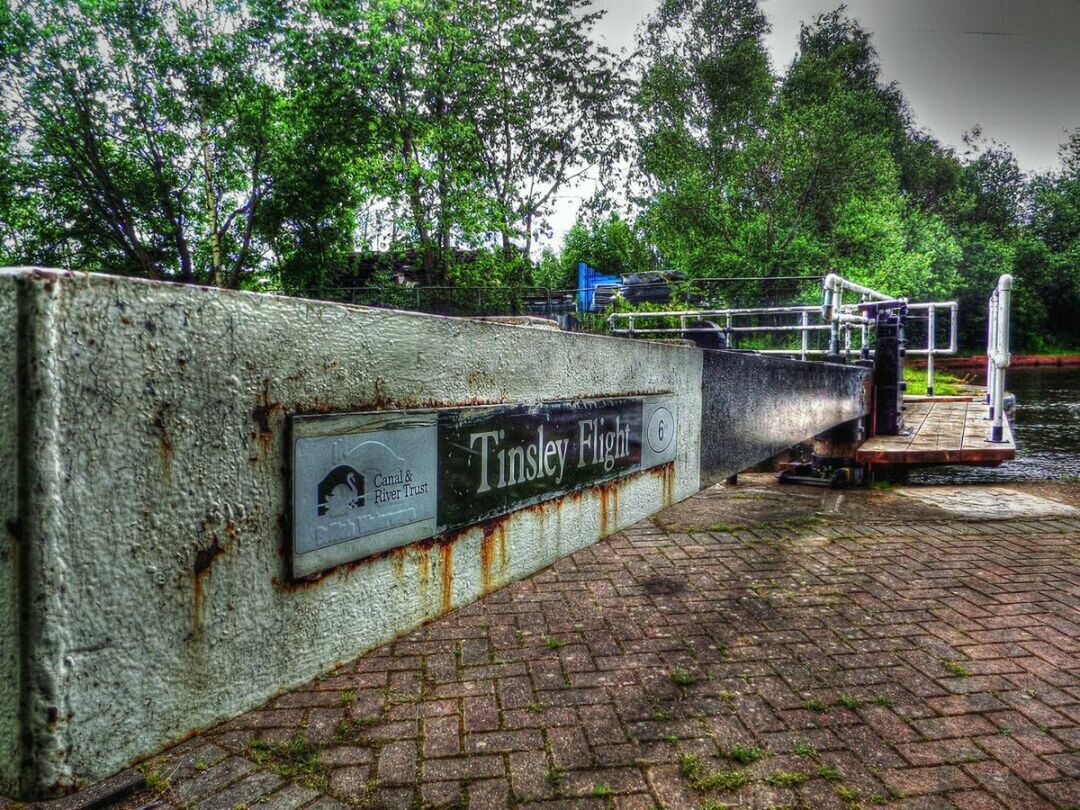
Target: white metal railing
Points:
(932, 349)
(837, 317)
(997, 355)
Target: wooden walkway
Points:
(940, 430)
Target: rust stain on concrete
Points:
(446, 554)
(609, 505)
(492, 546)
(423, 563)
(666, 474)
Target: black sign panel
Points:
(366, 482)
(496, 460)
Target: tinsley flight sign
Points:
(367, 482)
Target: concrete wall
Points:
(755, 406)
(10, 749)
(151, 490)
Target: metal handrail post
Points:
(930, 326)
(954, 326)
(864, 338)
(991, 339)
(805, 335)
(1001, 356)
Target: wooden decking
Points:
(944, 430)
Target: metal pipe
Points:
(805, 335)
(837, 284)
(665, 330)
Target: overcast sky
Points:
(1012, 66)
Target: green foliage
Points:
(822, 169)
(252, 144)
(256, 145)
(611, 246)
(945, 384)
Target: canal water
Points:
(1047, 428)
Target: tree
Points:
(703, 101)
(609, 245)
(148, 127)
(552, 108)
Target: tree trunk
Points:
(211, 207)
(416, 204)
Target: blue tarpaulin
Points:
(588, 279)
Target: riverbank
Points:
(978, 362)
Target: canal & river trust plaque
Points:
(363, 483)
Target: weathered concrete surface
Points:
(834, 650)
(153, 499)
(10, 752)
(755, 406)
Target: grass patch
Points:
(856, 798)
(786, 778)
(680, 677)
(745, 754)
(791, 524)
(702, 779)
(847, 701)
(297, 758)
(396, 698)
(805, 749)
(713, 804)
(155, 777)
(728, 527)
(554, 776)
(347, 697)
(945, 384)
(553, 643)
(955, 668)
(601, 791)
(349, 728)
(815, 706)
(884, 700)
(829, 773)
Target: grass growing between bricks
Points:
(680, 677)
(791, 525)
(955, 668)
(297, 758)
(703, 779)
(349, 729)
(847, 701)
(786, 778)
(746, 754)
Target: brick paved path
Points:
(820, 665)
